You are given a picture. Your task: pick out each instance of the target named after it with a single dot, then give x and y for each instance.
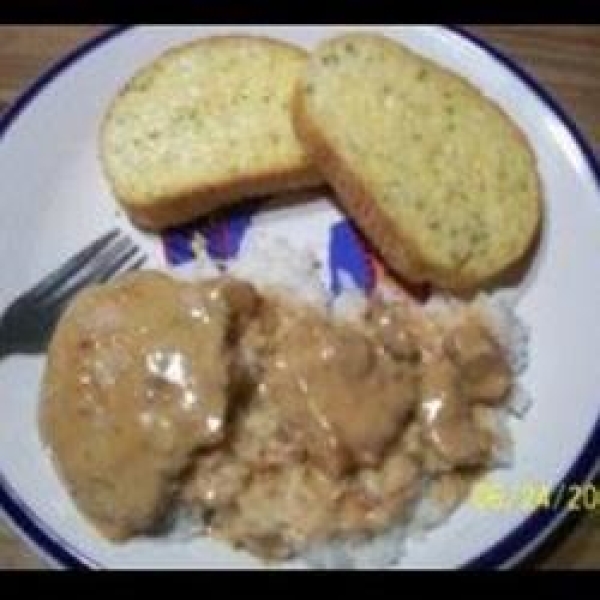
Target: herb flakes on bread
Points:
(204, 125)
(438, 178)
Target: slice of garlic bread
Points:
(435, 174)
(204, 125)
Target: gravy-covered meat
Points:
(282, 426)
(339, 393)
(460, 364)
(445, 416)
(485, 374)
(136, 380)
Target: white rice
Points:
(378, 553)
(274, 266)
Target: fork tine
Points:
(93, 271)
(57, 303)
(114, 266)
(74, 264)
(136, 264)
(106, 264)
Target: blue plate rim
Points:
(586, 465)
(518, 542)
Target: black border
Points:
(267, 11)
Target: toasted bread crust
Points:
(197, 202)
(356, 198)
(183, 202)
(391, 238)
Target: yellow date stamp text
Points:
(494, 496)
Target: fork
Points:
(28, 323)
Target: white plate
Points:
(54, 200)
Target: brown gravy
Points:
(281, 425)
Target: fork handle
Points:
(6, 347)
